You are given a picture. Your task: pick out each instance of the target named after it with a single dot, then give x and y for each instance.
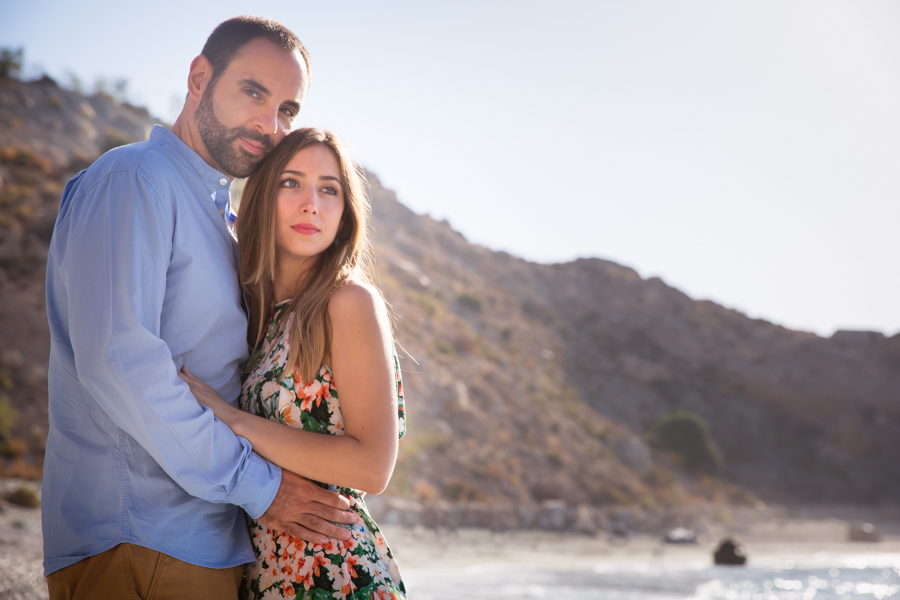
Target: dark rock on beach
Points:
(729, 553)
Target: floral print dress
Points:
(287, 567)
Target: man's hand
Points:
(306, 511)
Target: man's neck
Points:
(191, 137)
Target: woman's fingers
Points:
(193, 382)
(190, 379)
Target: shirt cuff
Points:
(258, 486)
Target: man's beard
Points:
(219, 140)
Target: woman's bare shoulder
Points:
(355, 299)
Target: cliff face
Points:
(47, 134)
(796, 416)
(529, 382)
(64, 127)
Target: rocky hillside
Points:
(544, 350)
(525, 382)
(47, 134)
(63, 127)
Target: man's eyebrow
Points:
(295, 106)
(255, 84)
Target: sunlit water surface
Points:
(823, 577)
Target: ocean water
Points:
(821, 576)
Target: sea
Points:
(821, 576)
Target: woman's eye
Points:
(330, 191)
(290, 183)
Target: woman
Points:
(317, 326)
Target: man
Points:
(142, 485)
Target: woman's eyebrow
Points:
(302, 174)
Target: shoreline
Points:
(811, 541)
(627, 522)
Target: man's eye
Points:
(289, 112)
(252, 93)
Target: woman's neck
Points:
(290, 277)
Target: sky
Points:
(746, 153)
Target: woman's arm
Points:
(363, 368)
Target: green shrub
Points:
(470, 302)
(11, 61)
(24, 496)
(459, 490)
(23, 157)
(113, 139)
(8, 417)
(116, 90)
(687, 434)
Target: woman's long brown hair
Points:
(310, 331)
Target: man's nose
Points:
(267, 121)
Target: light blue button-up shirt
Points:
(141, 279)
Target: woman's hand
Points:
(207, 396)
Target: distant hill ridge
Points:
(64, 126)
(797, 416)
(534, 382)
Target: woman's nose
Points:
(309, 203)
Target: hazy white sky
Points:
(744, 152)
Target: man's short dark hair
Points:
(232, 35)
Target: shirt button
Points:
(223, 181)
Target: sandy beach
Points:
(784, 534)
(21, 552)
(433, 560)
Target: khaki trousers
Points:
(131, 572)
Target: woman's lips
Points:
(305, 228)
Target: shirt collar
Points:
(212, 177)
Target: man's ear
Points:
(199, 77)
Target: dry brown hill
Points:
(544, 350)
(534, 382)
